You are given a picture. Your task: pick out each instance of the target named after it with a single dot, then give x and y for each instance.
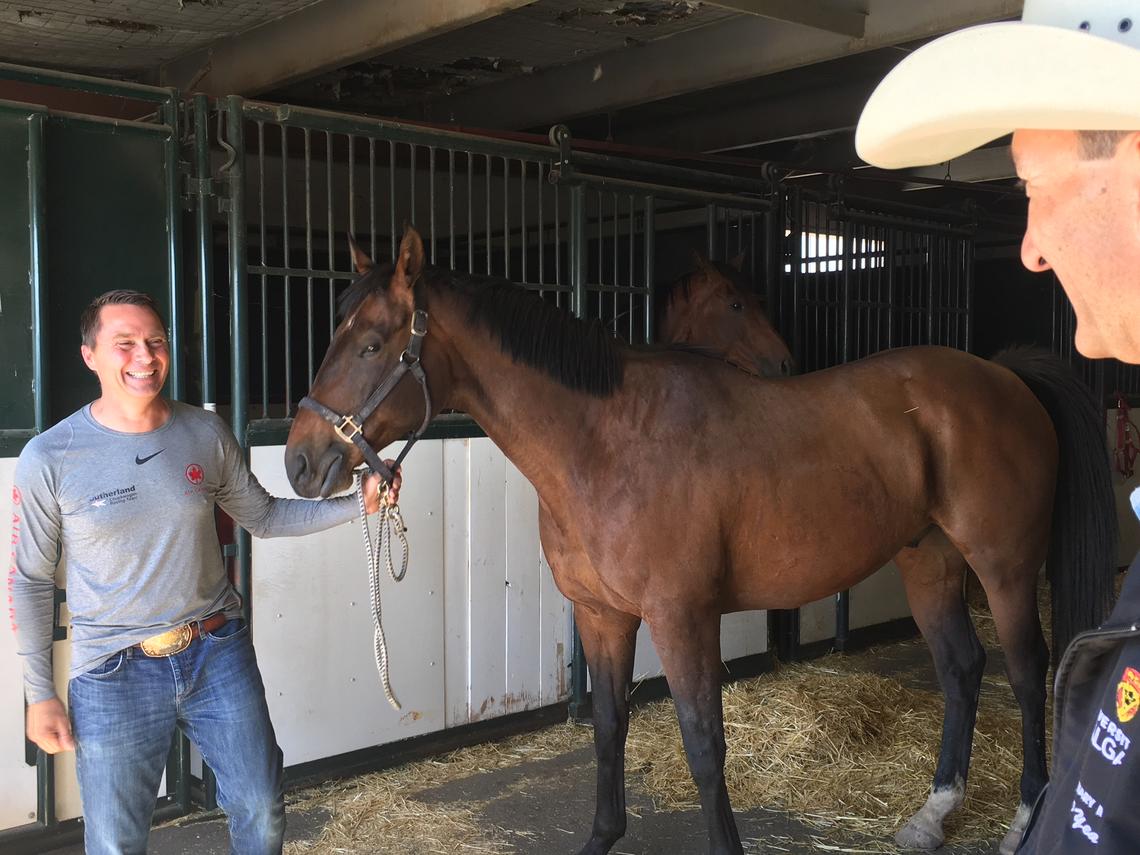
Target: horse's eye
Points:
(737, 307)
(372, 348)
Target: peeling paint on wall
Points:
(635, 13)
(493, 64)
(123, 25)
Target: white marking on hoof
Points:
(924, 829)
(1016, 829)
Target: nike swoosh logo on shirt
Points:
(141, 460)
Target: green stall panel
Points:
(107, 226)
(17, 381)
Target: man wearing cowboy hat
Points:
(1065, 80)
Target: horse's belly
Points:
(788, 568)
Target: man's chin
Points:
(1093, 343)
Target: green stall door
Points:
(107, 228)
(20, 150)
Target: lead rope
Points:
(391, 525)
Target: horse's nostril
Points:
(298, 465)
(786, 368)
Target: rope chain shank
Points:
(390, 527)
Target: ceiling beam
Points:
(809, 102)
(843, 22)
(984, 164)
(737, 49)
(325, 35)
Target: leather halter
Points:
(350, 428)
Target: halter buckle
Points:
(419, 323)
(347, 422)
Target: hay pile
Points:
(841, 748)
(380, 812)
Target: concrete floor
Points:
(547, 805)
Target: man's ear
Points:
(88, 356)
(410, 260)
(360, 259)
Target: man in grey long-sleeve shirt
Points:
(124, 489)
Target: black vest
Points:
(1092, 803)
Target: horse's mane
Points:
(581, 355)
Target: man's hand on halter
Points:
(372, 483)
(49, 727)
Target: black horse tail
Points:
(1081, 565)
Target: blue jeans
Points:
(123, 714)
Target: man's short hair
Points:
(1099, 145)
(89, 321)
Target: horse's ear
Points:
(360, 259)
(737, 263)
(410, 261)
(699, 259)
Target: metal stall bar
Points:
(85, 83)
(171, 112)
(205, 248)
(648, 250)
(234, 171)
(847, 258)
(37, 234)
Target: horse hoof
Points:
(1016, 829)
(919, 833)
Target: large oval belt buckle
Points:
(167, 643)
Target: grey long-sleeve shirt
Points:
(133, 516)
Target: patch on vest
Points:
(1128, 695)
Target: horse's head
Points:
(713, 309)
(368, 345)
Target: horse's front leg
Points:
(609, 638)
(689, 647)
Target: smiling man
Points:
(126, 489)
(1065, 80)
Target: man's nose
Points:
(1031, 256)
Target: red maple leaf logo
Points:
(16, 498)
(195, 474)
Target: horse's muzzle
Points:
(311, 475)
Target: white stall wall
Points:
(476, 630)
(877, 599)
(17, 779)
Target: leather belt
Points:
(178, 639)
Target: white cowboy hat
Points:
(1064, 66)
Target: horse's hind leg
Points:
(689, 647)
(609, 638)
(1013, 602)
(933, 574)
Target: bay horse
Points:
(712, 310)
(674, 488)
